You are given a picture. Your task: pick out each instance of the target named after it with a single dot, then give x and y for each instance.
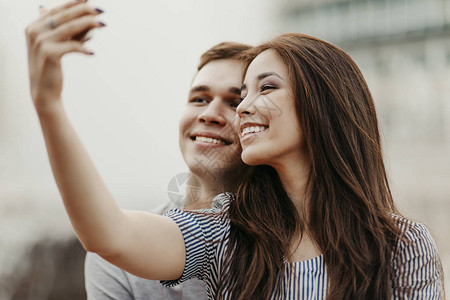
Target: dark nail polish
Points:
(100, 11)
(101, 24)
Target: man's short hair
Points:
(224, 50)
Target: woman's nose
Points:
(246, 107)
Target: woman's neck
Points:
(294, 175)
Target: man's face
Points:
(208, 141)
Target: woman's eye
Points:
(266, 87)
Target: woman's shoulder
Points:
(222, 201)
(214, 216)
(413, 232)
(416, 265)
(416, 249)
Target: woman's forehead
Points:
(266, 62)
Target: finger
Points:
(42, 10)
(73, 46)
(63, 7)
(75, 28)
(83, 36)
(66, 11)
(54, 51)
(74, 13)
(33, 29)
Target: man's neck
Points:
(201, 192)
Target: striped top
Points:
(416, 264)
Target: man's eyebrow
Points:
(235, 90)
(205, 88)
(200, 88)
(267, 74)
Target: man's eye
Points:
(199, 100)
(236, 102)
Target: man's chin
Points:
(201, 166)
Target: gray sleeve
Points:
(104, 281)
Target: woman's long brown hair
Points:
(349, 200)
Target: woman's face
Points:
(268, 127)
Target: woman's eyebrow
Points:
(261, 77)
(267, 74)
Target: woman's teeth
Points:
(253, 129)
(209, 140)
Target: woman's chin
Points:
(252, 159)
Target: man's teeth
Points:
(253, 129)
(209, 140)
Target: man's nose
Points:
(213, 113)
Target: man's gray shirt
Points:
(106, 281)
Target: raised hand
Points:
(144, 244)
(53, 34)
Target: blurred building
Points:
(403, 49)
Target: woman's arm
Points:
(144, 244)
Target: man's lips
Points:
(209, 137)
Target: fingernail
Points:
(100, 11)
(101, 24)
